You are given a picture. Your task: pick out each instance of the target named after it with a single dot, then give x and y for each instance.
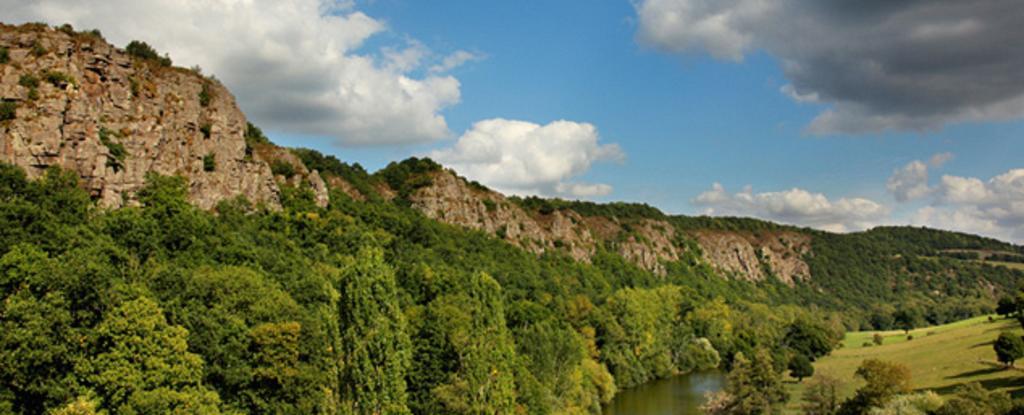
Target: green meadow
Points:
(940, 358)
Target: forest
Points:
(370, 307)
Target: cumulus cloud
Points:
(910, 182)
(524, 158)
(993, 207)
(295, 66)
(795, 206)
(879, 65)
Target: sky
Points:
(825, 113)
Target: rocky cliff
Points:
(75, 101)
(648, 243)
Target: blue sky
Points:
(678, 94)
(684, 121)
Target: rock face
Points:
(646, 243)
(755, 257)
(301, 177)
(89, 107)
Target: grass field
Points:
(940, 358)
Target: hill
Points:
(940, 358)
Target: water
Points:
(680, 395)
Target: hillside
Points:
(114, 117)
(158, 253)
(940, 358)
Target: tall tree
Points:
(822, 396)
(472, 320)
(753, 387)
(143, 364)
(376, 350)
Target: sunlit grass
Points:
(940, 358)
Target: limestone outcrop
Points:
(89, 107)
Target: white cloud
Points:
(686, 26)
(455, 60)
(993, 207)
(525, 158)
(295, 66)
(910, 182)
(794, 206)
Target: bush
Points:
(117, 150)
(867, 344)
(37, 49)
(8, 110)
(210, 162)
(282, 168)
(206, 129)
(877, 339)
(910, 337)
(58, 79)
(205, 95)
(28, 81)
(143, 51)
(5, 56)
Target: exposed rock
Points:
(88, 89)
(647, 243)
(754, 258)
(302, 177)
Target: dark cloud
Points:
(881, 65)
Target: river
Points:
(679, 395)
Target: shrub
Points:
(8, 110)
(58, 79)
(37, 49)
(867, 344)
(32, 83)
(210, 162)
(490, 205)
(5, 56)
(206, 129)
(877, 339)
(117, 150)
(66, 28)
(205, 95)
(143, 51)
(910, 337)
(28, 81)
(282, 168)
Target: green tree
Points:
(976, 400)
(907, 318)
(800, 367)
(143, 364)
(39, 339)
(472, 321)
(753, 386)
(822, 396)
(1008, 347)
(1006, 306)
(884, 381)
(375, 345)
